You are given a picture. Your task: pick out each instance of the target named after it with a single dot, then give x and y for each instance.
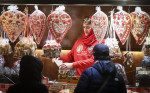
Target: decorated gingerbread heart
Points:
(59, 23)
(13, 24)
(38, 25)
(140, 25)
(122, 25)
(99, 23)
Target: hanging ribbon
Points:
(1, 23)
(48, 37)
(26, 32)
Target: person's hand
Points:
(53, 59)
(66, 66)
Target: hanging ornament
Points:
(59, 23)
(13, 22)
(99, 23)
(37, 24)
(122, 24)
(140, 25)
(128, 59)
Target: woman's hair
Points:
(87, 20)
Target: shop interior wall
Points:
(77, 13)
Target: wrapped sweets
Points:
(5, 47)
(51, 49)
(26, 46)
(114, 49)
(146, 47)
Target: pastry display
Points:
(26, 46)
(51, 49)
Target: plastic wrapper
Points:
(121, 70)
(146, 62)
(128, 59)
(5, 47)
(13, 22)
(99, 22)
(59, 23)
(122, 24)
(7, 71)
(146, 47)
(114, 49)
(51, 49)
(26, 46)
(9, 75)
(16, 67)
(140, 25)
(37, 24)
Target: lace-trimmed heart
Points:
(38, 26)
(13, 24)
(122, 26)
(59, 25)
(99, 24)
(140, 26)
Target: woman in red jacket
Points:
(79, 57)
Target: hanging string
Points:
(108, 31)
(52, 8)
(1, 22)
(148, 33)
(26, 31)
(48, 37)
(27, 23)
(128, 45)
(111, 23)
(4, 35)
(129, 9)
(129, 33)
(51, 37)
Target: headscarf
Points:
(89, 39)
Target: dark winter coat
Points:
(29, 77)
(92, 79)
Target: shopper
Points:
(29, 77)
(102, 77)
(79, 57)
